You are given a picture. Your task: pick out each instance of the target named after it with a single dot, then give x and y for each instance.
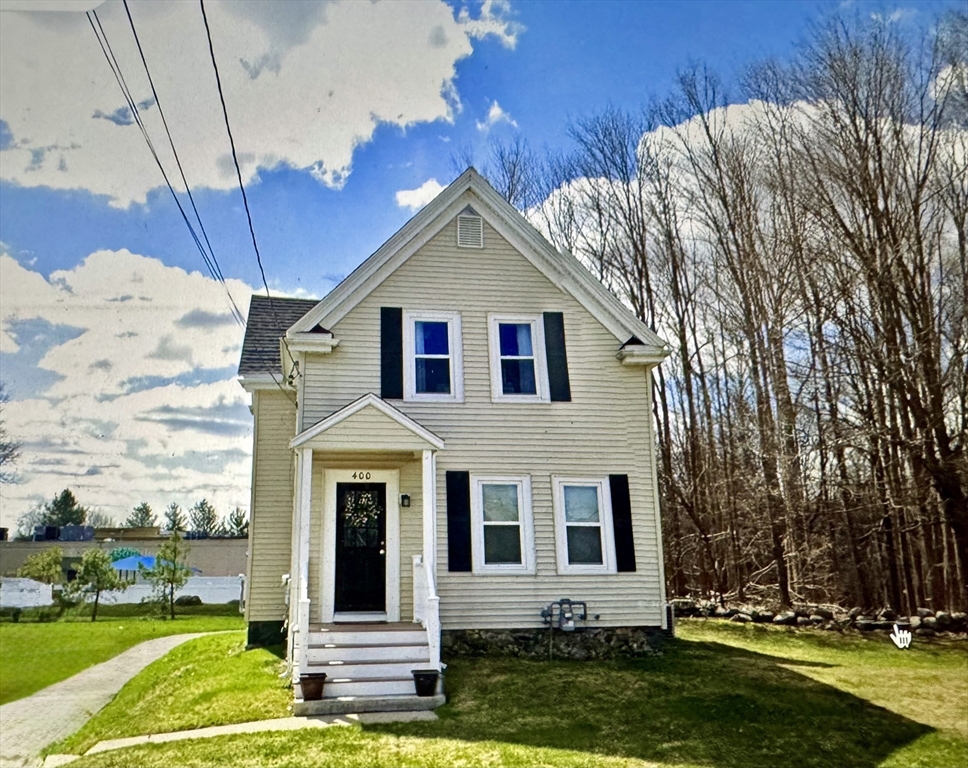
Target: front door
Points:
(361, 524)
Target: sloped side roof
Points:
(266, 324)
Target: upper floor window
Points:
(502, 530)
(583, 525)
(518, 369)
(433, 366)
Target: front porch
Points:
(363, 605)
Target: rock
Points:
(816, 618)
(924, 613)
(959, 622)
(943, 618)
(824, 613)
(884, 625)
(803, 621)
(721, 613)
(832, 626)
(929, 622)
(786, 619)
(762, 617)
(914, 621)
(741, 618)
(864, 625)
(853, 613)
(925, 632)
(683, 606)
(887, 615)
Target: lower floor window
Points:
(502, 531)
(583, 529)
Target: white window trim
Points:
(540, 364)
(523, 482)
(456, 356)
(561, 530)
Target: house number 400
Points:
(361, 475)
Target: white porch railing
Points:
(426, 607)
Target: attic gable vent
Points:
(470, 230)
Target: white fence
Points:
(25, 593)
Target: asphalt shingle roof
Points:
(266, 324)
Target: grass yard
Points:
(35, 655)
(209, 681)
(721, 695)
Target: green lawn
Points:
(721, 695)
(209, 681)
(35, 655)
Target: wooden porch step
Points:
(370, 626)
(389, 686)
(368, 670)
(359, 653)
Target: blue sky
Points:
(111, 368)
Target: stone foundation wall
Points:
(583, 644)
(830, 617)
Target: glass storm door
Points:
(361, 525)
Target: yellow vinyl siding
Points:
(371, 429)
(270, 537)
(606, 428)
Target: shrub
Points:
(188, 600)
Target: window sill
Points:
(499, 571)
(432, 399)
(586, 570)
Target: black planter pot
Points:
(312, 686)
(425, 681)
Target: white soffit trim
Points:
(639, 354)
(312, 342)
(358, 405)
(562, 269)
(253, 381)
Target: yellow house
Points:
(458, 436)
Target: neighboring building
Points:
(459, 435)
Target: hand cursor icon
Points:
(901, 637)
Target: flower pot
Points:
(312, 686)
(425, 681)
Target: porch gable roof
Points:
(385, 415)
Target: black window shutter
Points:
(622, 522)
(554, 333)
(458, 521)
(391, 353)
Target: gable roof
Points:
(266, 324)
(368, 400)
(562, 269)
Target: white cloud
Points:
(141, 401)
(495, 115)
(415, 199)
(493, 20)
(304, 85)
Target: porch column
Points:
(430, 517)
(431, 619)
(304, 494)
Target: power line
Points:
(181, 171)
(115, 68)
(235, 158)
(238, 174)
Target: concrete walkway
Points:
(30, 724)
(279, 724)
